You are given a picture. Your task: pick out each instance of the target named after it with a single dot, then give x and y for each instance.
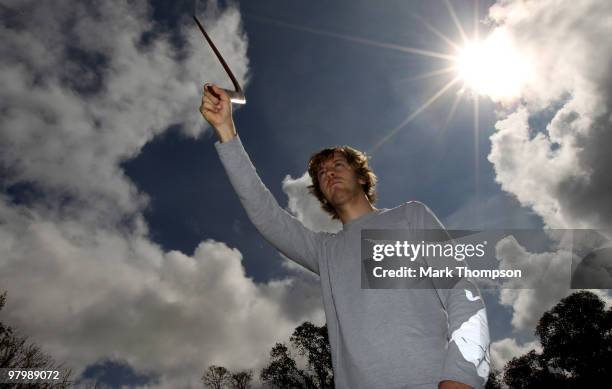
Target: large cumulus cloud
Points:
(86, 294)
(85, 86)
(550, 149)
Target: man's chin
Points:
(338, 198)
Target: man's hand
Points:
(453, 385)
(217, 110)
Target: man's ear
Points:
(361, 181)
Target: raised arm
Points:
(276, 225)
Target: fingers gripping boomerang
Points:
(237, 95)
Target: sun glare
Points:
(493, 67)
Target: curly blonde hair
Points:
(356, 159)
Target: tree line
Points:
(575, 335)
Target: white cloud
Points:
(550, 148)
(83, 92)
(306, 207)
(557, 166)
(546, 279)
(69, 141)
(502, 351)
(85, 294)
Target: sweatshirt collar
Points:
(361, 219)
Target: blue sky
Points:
(309, 91)
(113, 193)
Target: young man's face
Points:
(338, 181)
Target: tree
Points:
(18, 353)
(531, 371)
(241, 380)
(311, 342)
(282, 372)
(216, 377)
(576, 339)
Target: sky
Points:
(123, 248)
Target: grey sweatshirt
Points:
(408, 338)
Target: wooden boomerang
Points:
(237, 95)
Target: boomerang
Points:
(237, 95)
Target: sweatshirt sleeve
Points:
(276, 225)
(468, 352)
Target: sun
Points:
(493, 67)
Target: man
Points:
(379, 338)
